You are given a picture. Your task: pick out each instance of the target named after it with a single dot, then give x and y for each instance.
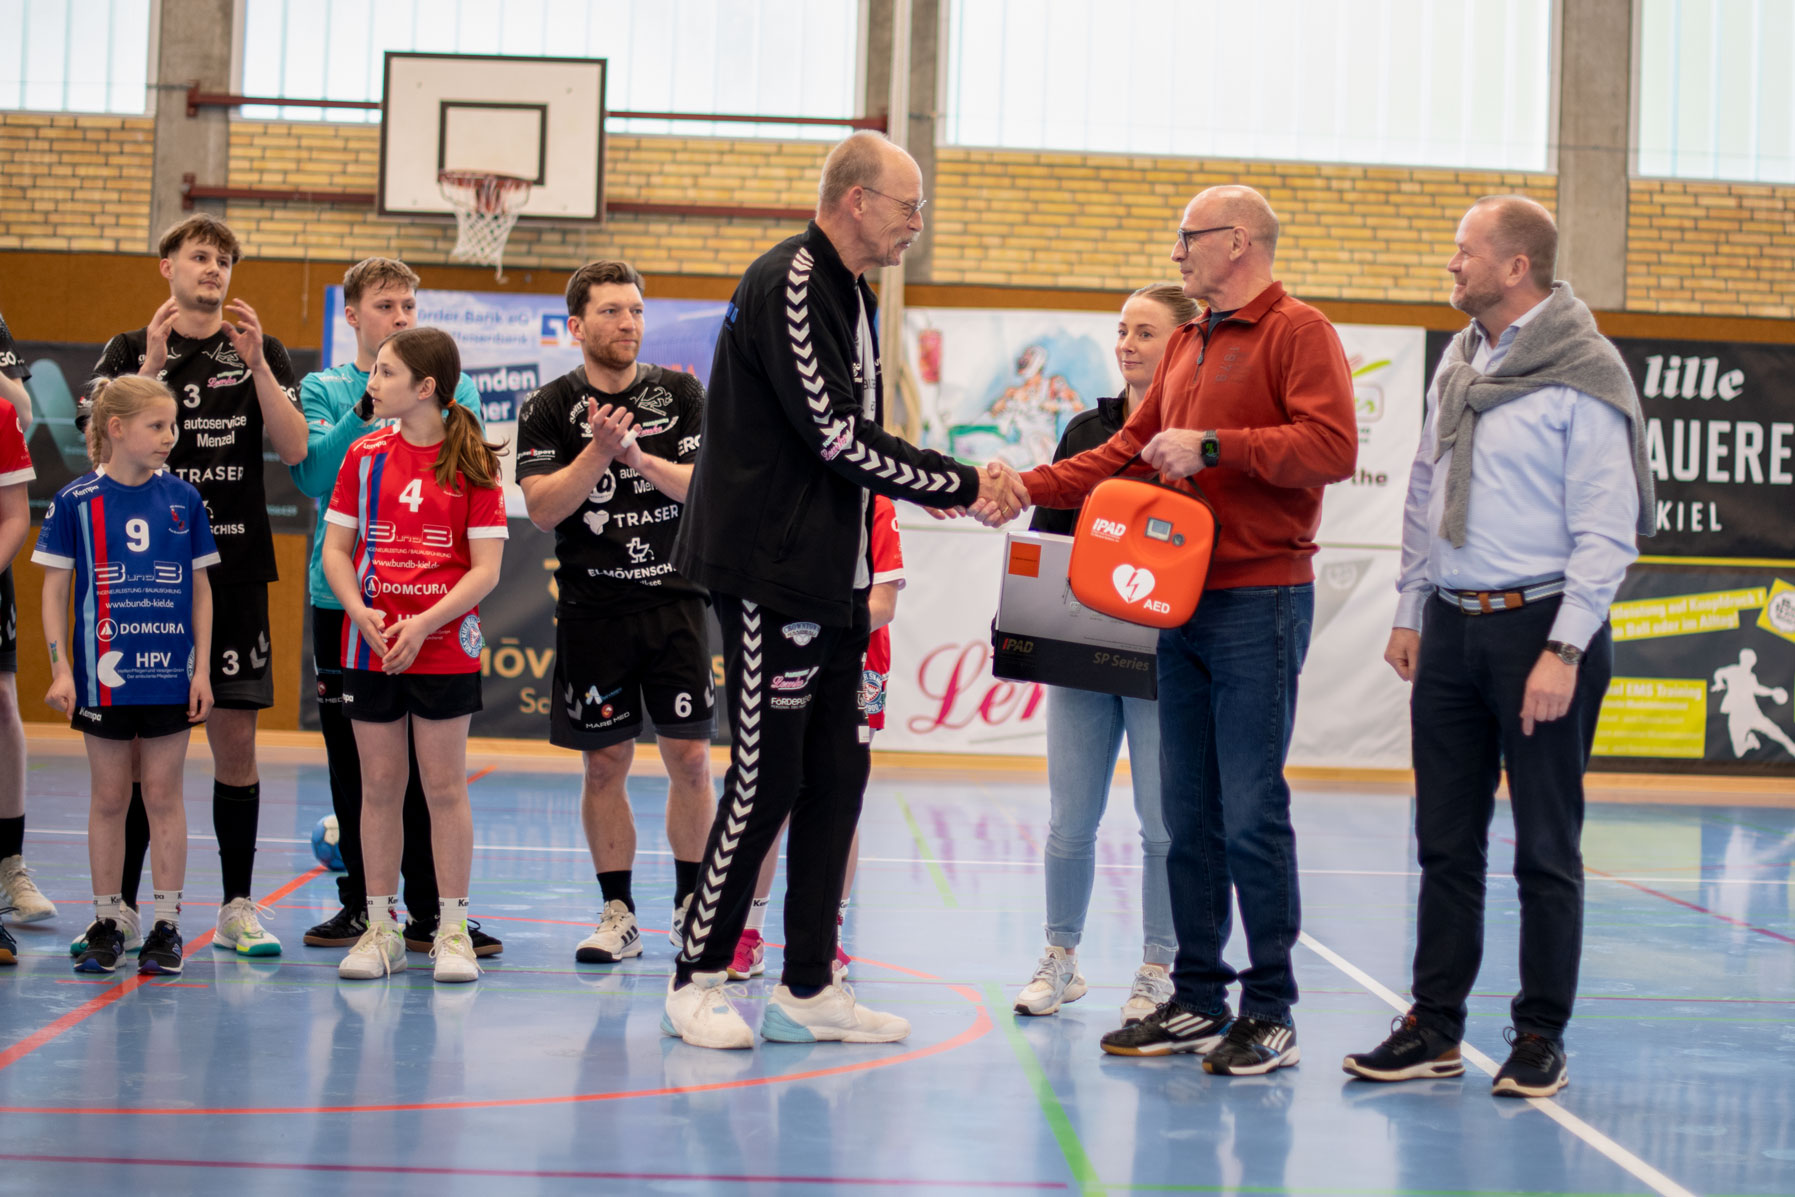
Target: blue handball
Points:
(325, 845)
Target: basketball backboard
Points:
(541, 119)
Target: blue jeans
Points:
(1084, 734)
(1227, 699)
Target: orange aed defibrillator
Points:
(1140, 552)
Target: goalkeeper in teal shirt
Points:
(379, 299)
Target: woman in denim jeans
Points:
(1084, 728)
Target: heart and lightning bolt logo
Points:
(1131, 583)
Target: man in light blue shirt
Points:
(1523, 503)
(379, 299)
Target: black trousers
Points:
(792, 690)
(418, 865)
(1465, 714)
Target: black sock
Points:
(12, 837)
(137, 845)
(685, 879)
(806, 991)
(235, 810)
(615, 888)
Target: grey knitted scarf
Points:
(1560, 347)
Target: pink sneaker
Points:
(750, 957)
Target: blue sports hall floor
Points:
(274, 1077)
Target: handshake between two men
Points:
(1175, 453)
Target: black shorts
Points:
(611, 671)
(9, 624)
(147, 722)
(242, 674)
(327, 654)
(374, 697)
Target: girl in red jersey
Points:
(416, 532)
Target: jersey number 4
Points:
(413, 494)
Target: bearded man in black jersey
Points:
(231, 384)
(603, 459)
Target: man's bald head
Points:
(1522, 226)
(1234, 205)
(859, 161)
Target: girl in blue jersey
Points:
(133, 675)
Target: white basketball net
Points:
(486, 206)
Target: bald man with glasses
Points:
(1254, 403)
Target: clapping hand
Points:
(610, 429)
(246, 334)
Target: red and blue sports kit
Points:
(411, 545)
(888, 566)
(133, 550)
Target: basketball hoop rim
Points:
(469, 178)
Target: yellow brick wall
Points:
(997, 217)
(1071, 220)
(1717, 249)
(75, 182)
(685, 170)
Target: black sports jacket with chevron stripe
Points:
(775, 510)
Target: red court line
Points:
(545, 1174)
(1687, 905)
(981, 1026)
(1713, 914)
(477, 774)
(99, 1002)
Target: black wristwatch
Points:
(1570, 654)
(1212, 449)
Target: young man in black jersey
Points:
(603, 459)
(231, 384)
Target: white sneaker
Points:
(453, 952)
(831, 1016)
(616, 937)
(700, 1014)
(129, 921)
(677, 934)
(1056, 982)
(18, 891)
(239, 927)
(1152, 985)
(378, 953)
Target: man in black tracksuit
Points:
(777, 527)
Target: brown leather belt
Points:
(1487, 602)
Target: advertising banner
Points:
(1704, 666)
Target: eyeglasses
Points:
(1186, 236)
(911, 209)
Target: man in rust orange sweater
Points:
(1253, 401)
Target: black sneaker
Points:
(9, 948)
(1412, 1052)
(341, 930)
(1172, 1027)
(1253, 1047)
(160, 955)
(101, 946)
(421, 937)
(1536, 1067)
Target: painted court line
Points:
(1058, 1121)
(1628, 1162)
(959, 863)
(538, 1174)
(128, 985)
